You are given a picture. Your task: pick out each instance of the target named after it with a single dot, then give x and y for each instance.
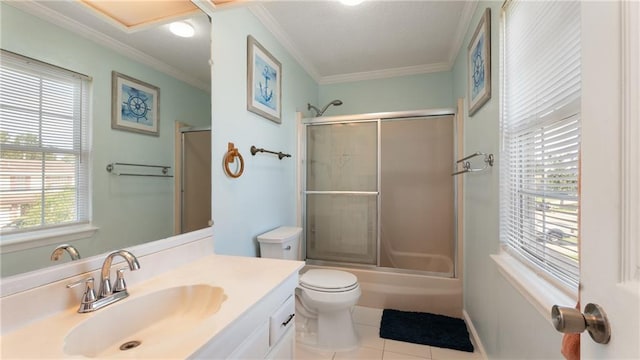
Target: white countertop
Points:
(245, 281)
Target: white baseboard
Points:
(474, 335)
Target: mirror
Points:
(126, 210)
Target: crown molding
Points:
(463, 27)
(386, 73)
(207, 6)
(87, 32)
(276, 30)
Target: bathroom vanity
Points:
(185, 302)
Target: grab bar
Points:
(466, 165)
(280, 154)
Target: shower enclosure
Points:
(378, 191)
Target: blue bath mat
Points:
(424, 328)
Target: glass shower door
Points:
(342, 192)
(417, 213)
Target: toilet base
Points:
(333, 331)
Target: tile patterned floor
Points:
(372, 346)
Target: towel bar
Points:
(111, 168)
(466, 165)
(280, 154)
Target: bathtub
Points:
(394, 289)
(422, 262)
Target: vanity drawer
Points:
(281, 320)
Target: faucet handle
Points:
(78, 282)
(121, 285)
(89, 296)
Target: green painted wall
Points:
(416, 92)
(264, 197)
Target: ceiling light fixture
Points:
(351, 2)
(182, 29)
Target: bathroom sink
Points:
(138, 324)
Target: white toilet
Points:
(324, 297)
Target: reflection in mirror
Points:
(123, 210)
(193, 186)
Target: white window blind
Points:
(539, 179)
(44, 113)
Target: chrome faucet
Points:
(106, 296)
(105, 282)
(60, 249)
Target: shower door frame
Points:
(378, 118)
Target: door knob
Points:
(594, 320)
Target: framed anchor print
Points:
(479, 63)
(264, 82)
(135, 105)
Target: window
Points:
(44, 155)
(539, 179)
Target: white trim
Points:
(463, 28)
(474, 334)
(630, 149)
(29, 280)
(276, 30)
(300, 165)
(540, 292)
(63, 21)
(207, 6)
(38, 238)
(385, 73)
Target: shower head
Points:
(320, 112)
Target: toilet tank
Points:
(281, 243)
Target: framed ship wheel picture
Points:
(135, 105)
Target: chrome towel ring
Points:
(229, 158)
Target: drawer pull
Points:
(288, 320)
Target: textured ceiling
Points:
(336, 41)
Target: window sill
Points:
(33, 239)
(540, 292)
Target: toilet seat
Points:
(325, 280)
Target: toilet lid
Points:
(328, 280)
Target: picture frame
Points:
(135, 105)
(479, 64)
(264, 82)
